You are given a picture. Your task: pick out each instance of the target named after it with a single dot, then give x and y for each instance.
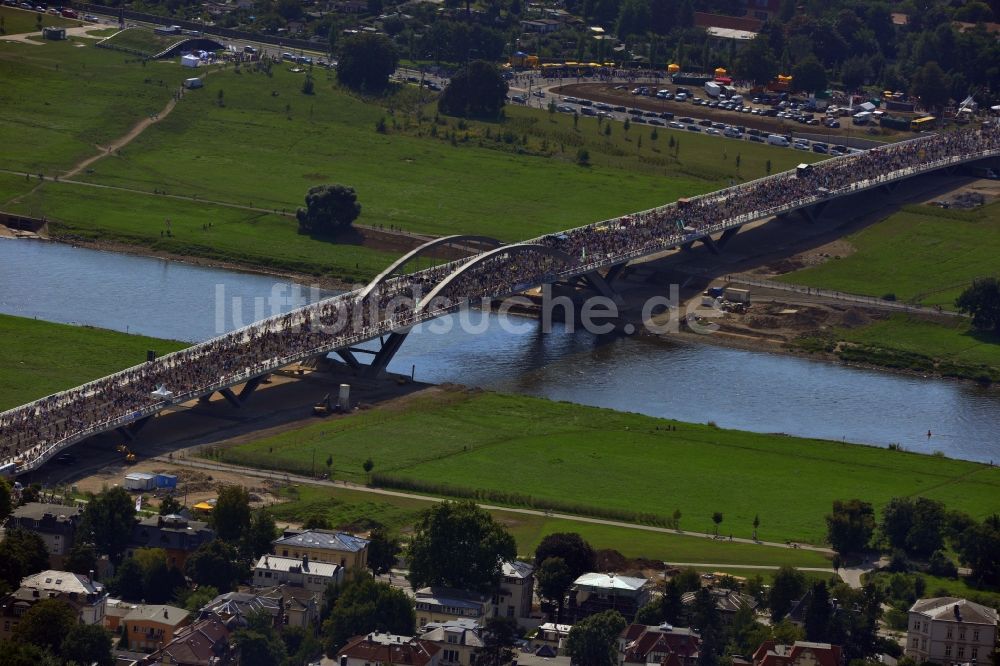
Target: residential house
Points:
(459, 640)
(727, 602)
(551, 635)
(663, 644)
(376, 648)
(236, 606)
(593, 593)
(272, 570)
(543, 26)
(177, 535)
(801, 653)
(84, 595)
(55, 523)
(115, 611)
(347, 550)
(300, 606)
(203, 643)
(441, 604)
(517, 588)
(148, 628)
(948, 629)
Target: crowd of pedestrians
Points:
(36, 429)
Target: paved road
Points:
(293, 478)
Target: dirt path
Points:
(36, 39)
(120, 143)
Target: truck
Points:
(861, 118)
(691, 78)
(712, 89)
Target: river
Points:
(693, 382)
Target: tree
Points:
(982, 301)
(127, 583)
(477, 90)
(810, 75)
(46, 624)
(914, 526)
(788, 587)
(854, 72)
(13, 653)
(82, 558)
(717, 519)
(194, 600)
(22, 553)
(593, 640)
(383, 547)
(259, 643)
(979, 548)
(259, 535)
(930, 86)
(671, 603)
(499, 634)
(231, 516)
(705, 618)
(158, 580)
(329, 209)
(757, 62)
(170, 505)
(108, 520)
(363, 605)
(368, 465)
(308, 85)
(817, 620)
(571, 547)
(457, 544)
(633, 18)
(215, 563)
(366, 61)
(88, 644)
(554, 578)
(849, 528)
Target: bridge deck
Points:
(33, 433)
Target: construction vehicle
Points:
(324, 407)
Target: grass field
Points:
(255, 138)
(350, 509)
(236, 235)
(38, 358)
(59, 101)
(950, 348)
(12, 186)
(17, 21)
(623, 462)
(921, 254)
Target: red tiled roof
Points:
(415, 652)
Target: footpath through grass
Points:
(357, 510)
(531, 452)
(38, 358)
(922, 254)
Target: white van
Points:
(777, 140)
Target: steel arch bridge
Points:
(124, 401)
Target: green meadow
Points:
(251, 138)
(358, 510)
(142, 40)
(17, 21)
(39, 358)
(530, 451)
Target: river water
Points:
(693, 382)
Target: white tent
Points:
(162, 392)
(190, 61)
(867, 106)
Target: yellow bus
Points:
(921, 124)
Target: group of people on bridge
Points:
(33, 432)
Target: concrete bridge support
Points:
(381, 357)
(234, 399)
(714, 246)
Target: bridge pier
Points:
(714, 246)
(814, 212)
(889, 188)
(130, 431)
(384, 355)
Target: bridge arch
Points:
(420, 251)
(519, 248)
